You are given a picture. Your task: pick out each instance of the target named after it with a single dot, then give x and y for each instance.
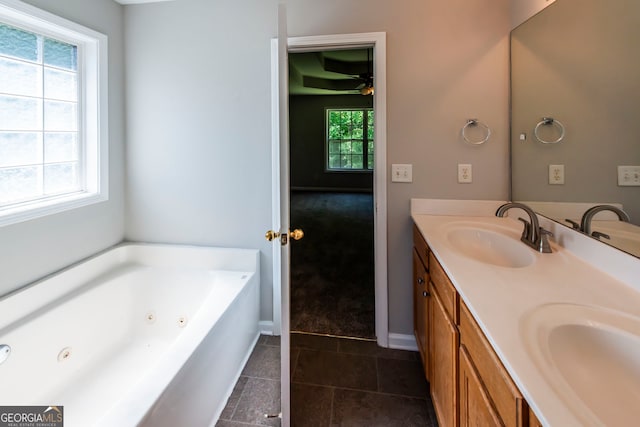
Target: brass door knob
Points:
(270, 235)
(296, 234)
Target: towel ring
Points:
(475, 122)
(549, 121)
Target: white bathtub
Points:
(151, 335)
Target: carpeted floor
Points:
(332, 268)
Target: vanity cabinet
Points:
(469, 386)
(421, 310)
(533, 420)
(476, 407)
(421, 297)
(443, 347)
(493, 393)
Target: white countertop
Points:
(502, 298)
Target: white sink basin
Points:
(489, 244)
(591, 358)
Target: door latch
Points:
(296, 234)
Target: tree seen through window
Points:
(350, 139)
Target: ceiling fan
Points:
(364, 80)
(366, 87)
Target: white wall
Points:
(199, 125)
(35, 248)
(198, 108)
(521, 10)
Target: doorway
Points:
(331, 133)
(281, 185)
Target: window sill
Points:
(37, 209)
(361, 171)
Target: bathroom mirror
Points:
(575, 88)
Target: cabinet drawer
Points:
(508, 401)
(444, 287)
(421, 246)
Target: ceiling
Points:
(336, 72)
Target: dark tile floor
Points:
(257, 391)
(335, 382)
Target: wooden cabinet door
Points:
(476, 408)
(444, 341)
(421, 310)
(533, 420)
(505, 396)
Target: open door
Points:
(280, 234)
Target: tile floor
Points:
(335, 382)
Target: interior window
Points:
(350, 139)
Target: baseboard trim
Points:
(265, 327)
(402, 342)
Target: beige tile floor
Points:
(335, 382)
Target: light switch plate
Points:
(401, 173)
(628, 176)
(465, 175)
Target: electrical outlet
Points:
(465, 175)
(628, 176)
(556, 174)
(401, 173)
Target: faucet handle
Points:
(599, 235)
(543, 245)
(574, 224)
(526, 233)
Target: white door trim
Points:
(342, 41)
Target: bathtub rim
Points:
(121, 244)
(29, 301)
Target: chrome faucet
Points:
(585, 224)
(533, 235)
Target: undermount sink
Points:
(489, 245)
(591, 358)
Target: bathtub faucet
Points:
(532, 235)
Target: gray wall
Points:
(307, 137)
(521, 10)
(32, 249)
(199, 130)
